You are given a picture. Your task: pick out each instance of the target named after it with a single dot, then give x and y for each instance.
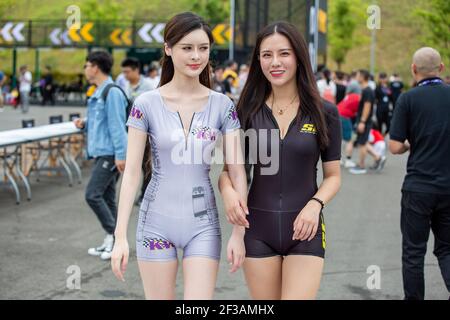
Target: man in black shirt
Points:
(363, 120)
(48, 92)
(421, 124)
(396, 86)
(382, 99)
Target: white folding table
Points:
(19, 137)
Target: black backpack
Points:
(129, 103)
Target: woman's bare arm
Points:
(130, 180)
(331, 181)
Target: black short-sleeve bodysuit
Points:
(275, 199)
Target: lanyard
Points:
(430, 82)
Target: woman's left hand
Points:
(307, 222)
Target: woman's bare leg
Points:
(200, 275)
(158, 279)
(301, 277)
(263, 277)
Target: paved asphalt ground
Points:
(40, 240)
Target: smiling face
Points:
(277, 59)
(191, 54)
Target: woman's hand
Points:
(235, 207)
(119, 258)
(236, 251)
(307, 222)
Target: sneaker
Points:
(381, 163)
(358, 170)
(375, 165)
(349, 164)
(108, 242)
(106, 255)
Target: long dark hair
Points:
(327, 75)
(257, 88)
(178, 27)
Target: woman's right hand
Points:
(236, 250)
(119, 258)
(235, 207)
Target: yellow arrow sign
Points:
(115, 37)
(126, 37)
(85, 32)
(217, 33)
(228, 34)
(74, 35)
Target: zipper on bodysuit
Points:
(184, 132)
(281, 169)
(281, 189)
(281, 151)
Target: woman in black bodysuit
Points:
(285, 235)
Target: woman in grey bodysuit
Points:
(183, 119)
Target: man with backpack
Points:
(106, 142)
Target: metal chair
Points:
(55, 152)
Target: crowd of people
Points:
(230, 79)
(43, 91)
(365, 108)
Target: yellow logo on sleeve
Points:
(308, 128)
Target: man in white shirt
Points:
(121, 81)
(136, 83)
(153, 77)
(25, 88)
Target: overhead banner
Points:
(54, 33)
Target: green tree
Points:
(213, 11)
(436, 18)
(5, 7)
(344, 17)
(101, 10)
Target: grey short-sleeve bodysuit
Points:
(178, 209)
